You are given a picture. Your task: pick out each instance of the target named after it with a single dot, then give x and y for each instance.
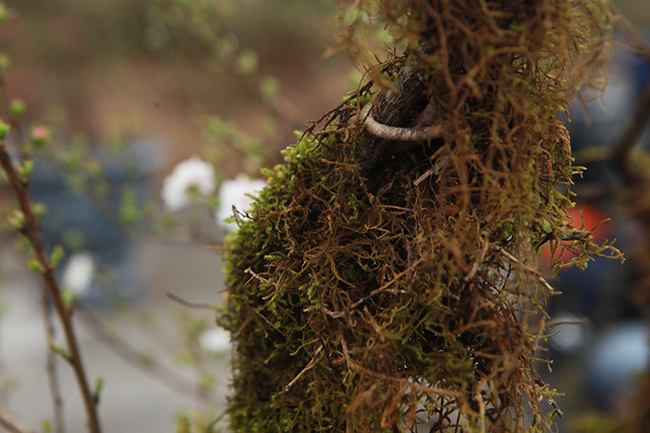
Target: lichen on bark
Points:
(386, 286)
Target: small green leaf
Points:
(23, 245)
(68, 298)
(38, 209)
(59, 350)
(46, 425)
(4, 129)
(247, 62)
(130, 212)
(270, 88)
(16, 219)
(4, 13)
(4, 63)
(26, 170)
(17, 109)
(99, 386)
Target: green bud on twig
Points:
(46, 426)
(36, 266)
(4, 63)
(4, 129)
(16, 220)
(56, 256)
(17, 109)
(247, 63)
(68, 298)
(23, 245)
(61, 352)
(26, 170)
(99, 386)
(270, 88)
(38, 209)
(4, 13)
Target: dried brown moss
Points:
(381, 286)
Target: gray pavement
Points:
(132, 400)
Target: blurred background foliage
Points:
(237, 76)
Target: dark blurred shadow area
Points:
(601, 345)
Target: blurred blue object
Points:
(618, 357)
(97, 229)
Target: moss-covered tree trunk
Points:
(387, 277)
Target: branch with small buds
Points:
(43, 265)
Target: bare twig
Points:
(218, 419)
(10, 423)
(189, 304)
(620, 153)
(135, 358)
(632, 33)
(30, 230)
(55, 390)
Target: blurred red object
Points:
(584, 216)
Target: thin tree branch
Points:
(632, 33)
(55, 389)
(189, 304)
(30, 230)
(620, 153)
(132, 356)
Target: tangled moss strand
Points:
(382, 285)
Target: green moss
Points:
(360, 301)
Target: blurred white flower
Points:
(79, 272)
(190, 176)
(234, 193)
(216, 340)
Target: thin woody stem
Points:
(620, 153)
(31, 231)
(134, 357)
(55, 389)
